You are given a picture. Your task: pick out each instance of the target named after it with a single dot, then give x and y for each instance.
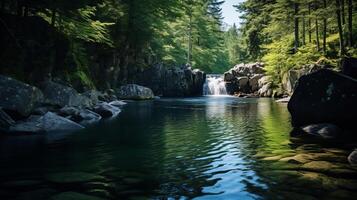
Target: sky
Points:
(230, 14)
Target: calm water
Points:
(201, 148)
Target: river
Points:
(212, 147)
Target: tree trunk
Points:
(343, 12)
(325, 30)
(296, 25)
(189, 50)
(350, 21)
(309, 23)
(303, 31)
(339, 23)
(317, 34)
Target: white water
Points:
(214, 85)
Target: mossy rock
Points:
(73, 177)
(74, 196)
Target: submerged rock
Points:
(17, 97)
(283, 100)
(47, 123)
(324, 96)
(352, 158)
(324, 130)
(134, 92)
(118, 103)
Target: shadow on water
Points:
(203, 148)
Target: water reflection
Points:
(203, 148)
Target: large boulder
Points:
(324, 96)
(349, 67)
(18, 98)
(247, 70)
(291, 78)
(61, 95)
(42, 124)
(266, 90)
(134, 92)
(243, 84)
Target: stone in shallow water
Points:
(325, 130)
(319, 166)
(73, 177)
(352, 158)
(74, 196)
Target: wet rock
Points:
(106, 110)
(73, 177)
(74, 196)
(18, 98)
(118, 103)
(62, 95)
(134, 92)
(319, 166)
(47, 123)
(327, 131)
(80, 115)
(352, 158)
(5, 120)
(283, 100)
(324, 96)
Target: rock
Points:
(319, 166)
(263, 81)
(134, 92)
(324, 96)
(106, 110)
(5, 120)
(266, 90)
(243, 83)
(228, 76)
(254, 82)
(324, 130)
(61, 95)
(18, 98)
(74, 196)
(248, 69)
(283, 100)
(352, 158)
(48, 123)
(349, 67)
(291, 78)
(117, 103)
(80, 115)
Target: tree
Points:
(339, 24)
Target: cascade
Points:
(214, 85)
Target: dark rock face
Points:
(61, 95)
(5, 120)
(134, 92)
(17, 97)
(324, 96)
(47, 123)
(173, 81)
(349, 67)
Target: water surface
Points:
(201, 148)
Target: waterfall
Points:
(214, 85)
